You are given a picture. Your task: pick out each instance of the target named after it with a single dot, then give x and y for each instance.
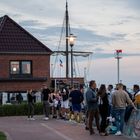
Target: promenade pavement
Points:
(19, 128)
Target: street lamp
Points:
(118, 56)
(71, 43)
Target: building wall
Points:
(77, 81)
(40, 69)
(20, 86)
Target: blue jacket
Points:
(91, 99)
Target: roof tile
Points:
(13, 38)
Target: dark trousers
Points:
(86, 117)
(104, 114)
(30, 110)
(109, 111)
(94, 114)
(46, 108)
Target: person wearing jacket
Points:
(92, 106)
(76, 98)
(103, 108)
(119, 101)
(30, 99)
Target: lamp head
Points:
(72, 39)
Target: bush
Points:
(19, 109)
(2, 136)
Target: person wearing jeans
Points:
(119, 114)
(119, 100)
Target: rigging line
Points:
(69, 26)
(77, 66)
(74, 69)
(61, 35)
(69, 29)
(89, 63)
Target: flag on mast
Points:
(61, 63)
(119, 51)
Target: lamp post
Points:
(118, 56)
(71, 43)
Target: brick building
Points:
(24, 60)
(58, 82)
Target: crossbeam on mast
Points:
(75, 53)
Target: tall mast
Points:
(67, 52)
(67, 44)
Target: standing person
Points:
(136, 89)
(57, 104)
(109, 94)
(71, 113)
(92, 106)
(76, 98)
(129, 108)
(45, 98)
(64, 103)
(30, 100)
(119, 100)
(137, 100)
(19, 98)
(103, 108)
(86, 112)
(125, 89)
(0, 98)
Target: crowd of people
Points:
(104, 104)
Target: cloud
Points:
(119, 36)
(131, 54)
(29, 23)
(137, 34)
(101, 26)
(98, 50)
(111, 55)
(86, 39)
(134, 4)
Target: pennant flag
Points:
(61, 63)
(119, 51)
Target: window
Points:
(14, 67)
(20, 68)
(26, 67)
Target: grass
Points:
(2, 136)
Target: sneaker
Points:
(118, 133)
(46, 118)
(54, 117)
(92, 132)
(63, 118)
(28, 119)
(86, 128)
(32, 119)
(103, 134)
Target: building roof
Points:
(15, 39)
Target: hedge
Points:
(19, 109)
(2, 136)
